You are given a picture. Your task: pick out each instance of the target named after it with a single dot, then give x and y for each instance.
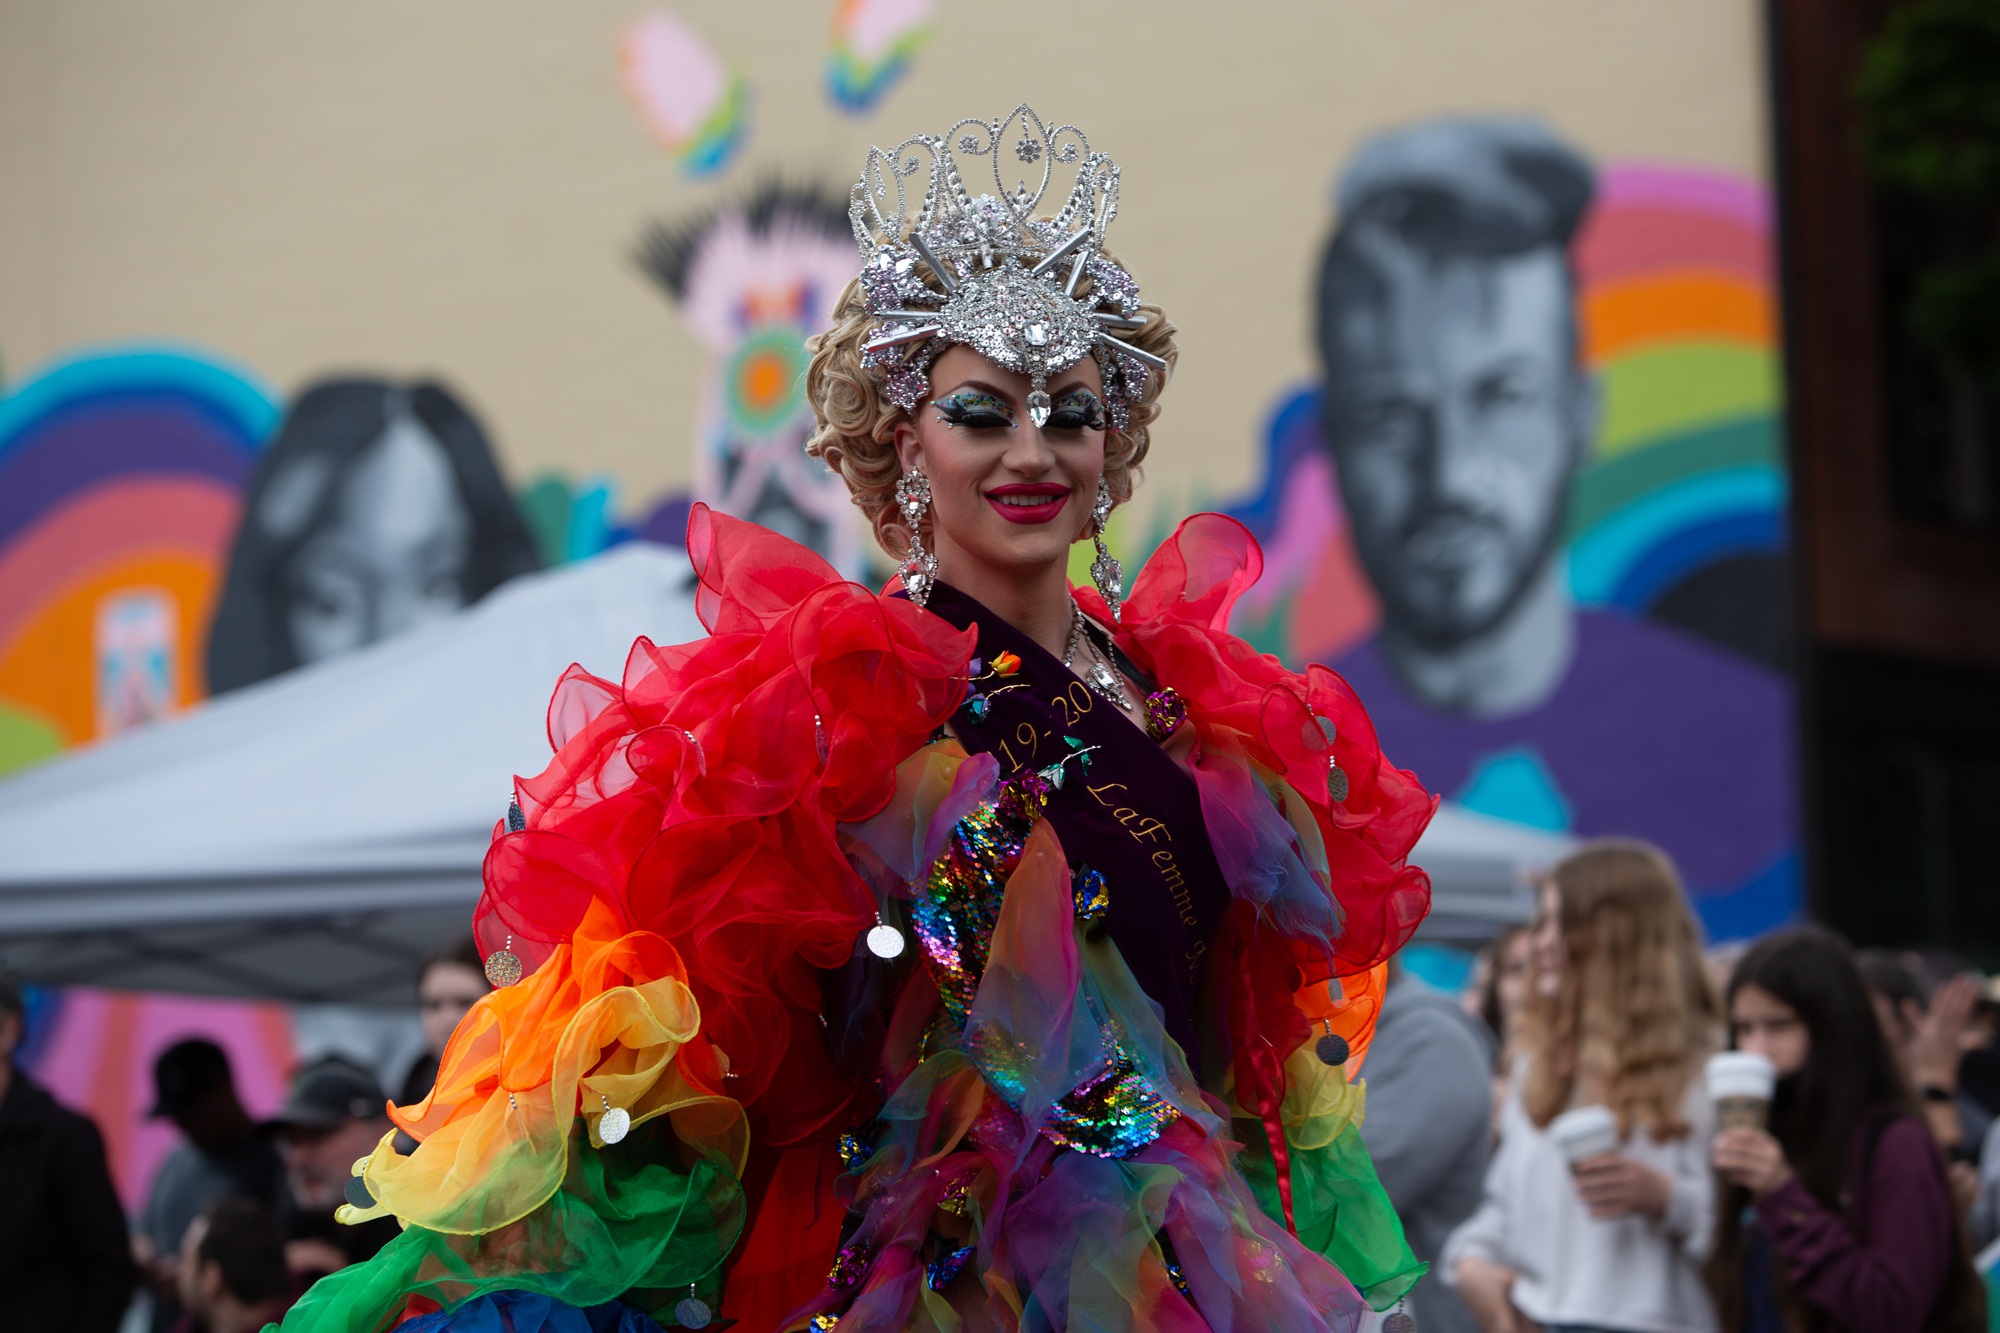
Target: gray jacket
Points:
(1429, 1128)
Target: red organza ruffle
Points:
(696, 799)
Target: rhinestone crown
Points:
(1009, 278)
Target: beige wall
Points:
(453, 186)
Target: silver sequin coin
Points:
(885, 941)
(357, 1193)
(614, 1125)
(503, 968)
(1331, 1050)
(1336, 783)
(692, 1313)
(1399, 1323)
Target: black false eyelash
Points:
(979, 410)
(1091, 409)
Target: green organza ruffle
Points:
(630, 1220)
(1339, 1208)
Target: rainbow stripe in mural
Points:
(1679, 324)
(121, 475)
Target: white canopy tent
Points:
(310, 837)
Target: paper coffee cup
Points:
(1740, 1084)
(1586, 1132)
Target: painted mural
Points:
(697, 107)
(378, 507)
(754, 279)
(870, 47)
(122, 473)
(1534, 509)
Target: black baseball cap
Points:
(186, 1072)
(330, 1091)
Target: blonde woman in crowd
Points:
(1621, 1016)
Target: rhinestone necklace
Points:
(1101, 678)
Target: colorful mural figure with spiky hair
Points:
(754, 280)
(1535, 512)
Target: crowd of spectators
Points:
(1857, 1207)
(239, 1218)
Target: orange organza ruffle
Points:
(608, 1021)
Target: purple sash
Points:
(1133, 816)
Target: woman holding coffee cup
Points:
(1599, 1201)
(1836, 1214)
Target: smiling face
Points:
(1006, 495)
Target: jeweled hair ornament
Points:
(1009, 279)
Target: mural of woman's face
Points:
(393, 554)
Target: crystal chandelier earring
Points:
(913, 497)
(1105, 571)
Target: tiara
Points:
(1009, 278)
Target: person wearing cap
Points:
(63, 1257)
(334, 1114)
(232, 1270)
(222, 1156)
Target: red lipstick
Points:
(1033, 502)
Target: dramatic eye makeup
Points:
(975, 409)
(1077, 409)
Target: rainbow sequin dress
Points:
(1094, 1091)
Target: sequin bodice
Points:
(1116, 1111)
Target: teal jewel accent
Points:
(1078, 751)
(977, 707)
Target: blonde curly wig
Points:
(855, 430)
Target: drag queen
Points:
(989, 954)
